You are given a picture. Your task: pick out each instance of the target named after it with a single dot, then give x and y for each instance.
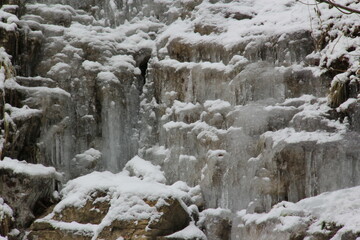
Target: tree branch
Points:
(339, 6)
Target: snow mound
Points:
(22, 113)
(145, 170)
(88, 157)
(190, 232)
(217, 106)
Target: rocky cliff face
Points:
(255, 102)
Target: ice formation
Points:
(251, 103)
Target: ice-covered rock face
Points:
(224, 85)
(228, 95)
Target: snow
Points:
(217, 154)
(339, 207)
(217, 213)
(171, 125)
(290, 135)
(345, 105)
(5, 60)
(190, 232)
(224, 213)
(77, 228)
(76, 191)
(185, 108)
(21, 113)
(218, 105)
(91, 65)
(8, 21)
(310, 108)
(145, 170)
(217, 66)
(88, 157)
(341, 77)
(261, 21)
(33, 170)
(337, 48)
(59, 68)
(14, 232)
(37, 91)
(117, 44)
(107, 77)
(5, 210)
(185, 158)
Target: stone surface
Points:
(212, 91)
(29, 196)
(173, 217)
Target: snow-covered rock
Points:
(27, 188)
(103, 205)
(85, 162)
(216, 223)
(144, 170)
(331, 215)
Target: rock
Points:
(57, 234)
(6, 218)
(110, 206)
(173, 218)
(27, 188)
(86, 162)
(216, 223)
(92, 212)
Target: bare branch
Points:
(339, 6)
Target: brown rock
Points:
(173, 218)
(92, 212)
(27, 195)
(56, 234)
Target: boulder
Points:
(103, 205)
(27, 188)
(173, 217)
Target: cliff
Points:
(252, 103)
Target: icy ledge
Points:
(29, 169)
(331, 215)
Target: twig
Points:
(339, 6)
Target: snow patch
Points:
(34, 170)
(145, 170)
